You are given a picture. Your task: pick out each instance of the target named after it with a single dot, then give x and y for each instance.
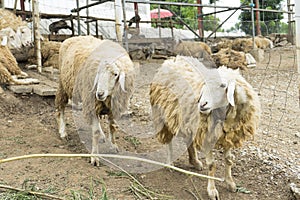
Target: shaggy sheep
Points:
(209, 108)
(49, 52)
(100, 75)
(223, 44)
(9, 69)
(9, 20)
(195, 49)
(263, 43)
(246, 44)
(242, 44)
(230, 58)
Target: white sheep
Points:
(14, 40)
(17, 30)
(208, 108)
(100, 74)
(9, 69)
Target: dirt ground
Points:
(264, 167)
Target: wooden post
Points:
(87, 17)
(36, 33)
(15, 6)
(159, 24)
(78, 17)
(23, 9)
(2, 4)
(118, 11)
(136, 13)
(290, 29)
(258, 32)
(125, 25)
(200, 19)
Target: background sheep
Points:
(242, 44)
(9, 69)
(49, 52)
(230, 58)
(10, 20)
(195, 49)
(228, 116)
(223, 44)
(263, 43)
(98, 73)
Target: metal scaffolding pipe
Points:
(297, 18)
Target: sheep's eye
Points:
(223, 85)
(116, 74)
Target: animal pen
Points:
(275, 79)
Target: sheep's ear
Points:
(4, 41)
(122, 81)
(230, 92)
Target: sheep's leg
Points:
(229, 157)
(211, 188)
(193, 157)
(112, 129)
(102, 135)
(170, 153)
(62, 123)
(97, 135)
(61, 100)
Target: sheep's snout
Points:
(101, 95)
(203, 107)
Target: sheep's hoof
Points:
(64, 137)
(213, 194)
(114, 148)
(231, 186)
(95, 161)
(197, 164)
(102, 140)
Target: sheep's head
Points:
(216, 94)
(24, 33)
(106, 79)
(13, 39)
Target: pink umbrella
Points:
(163, 13)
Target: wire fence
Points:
(277, 82)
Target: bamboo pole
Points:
(2, 4)
(125, 25)
(36, 34)
(87, 15)
(108, 156)
(78, 18)
(118, 11)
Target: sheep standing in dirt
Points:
(209, 108)
(263, 43)
(9, 69)
(195, 49)
(99, 74)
